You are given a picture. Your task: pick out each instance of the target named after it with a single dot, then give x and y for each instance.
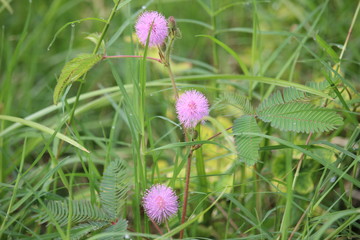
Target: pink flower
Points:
(191, 107)
(159, 30)
(160, 202)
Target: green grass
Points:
(301, 187)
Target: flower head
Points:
(158, 25)
(191, 107)
(160, 202)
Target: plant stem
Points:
(286, 220)
(172, 77)
(300, 162)
(186, 191)
(132, 56)
(157, 227)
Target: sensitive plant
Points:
(283, 118)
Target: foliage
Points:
(73, 70)
(283, 75)
(247, 146)
(88, 217)
(284, 111)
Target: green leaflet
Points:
(81, 211)
(278, 98)
(247, 146)
(81, 230)
(300, 117)
(73, 70)
(286, 112)
(89, 217)
(120, 226)
(234, 100)
(114, 187)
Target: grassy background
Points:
(273, 38)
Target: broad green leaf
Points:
(304, 183)
(299, 117)
(247, 146)
(73, 70)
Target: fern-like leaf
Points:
(247, 146)
(82, 230)
(234, 100)
(73, 70)
(82, 211)
(278, 98)
(120, 226)
(114, 186)
(299, 117)
(321, 86)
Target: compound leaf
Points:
(82, 211)
(114, 186)
(300, 117)
(247, 146)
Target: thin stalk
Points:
(214, 45)
(157, 227)
(258, 202)
(225, 214)
(215, 55)
(167, 227)
(300, 162)
(299, 222)
(186, 191)
(132, 56)
(285, 224)
(200, 166)
(68, 229)
(350, 31)
(172, 77)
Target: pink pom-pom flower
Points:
(160, 202)
(159, 30)
(191, 107)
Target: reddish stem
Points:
(132, 56)
(187, 178)
(157, 227)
